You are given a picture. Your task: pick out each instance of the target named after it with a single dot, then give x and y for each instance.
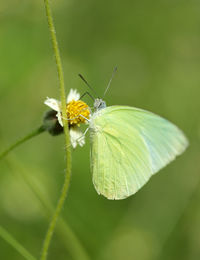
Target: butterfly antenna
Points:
(88, 84)
(113, 74)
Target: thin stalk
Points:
(21, 141)
(16, 245)
(65, 188)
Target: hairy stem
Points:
(13, 242)
(65, 188)
(21, 141)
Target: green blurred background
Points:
(156, 47)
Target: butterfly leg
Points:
(76, 117)
(82, 136)
(69, 119)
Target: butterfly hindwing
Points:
(129, 145)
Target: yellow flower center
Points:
(77, 111)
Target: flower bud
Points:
(51, 124)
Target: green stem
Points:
(65, 188)
(9, 239)
(21, 141)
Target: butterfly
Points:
(128, 146)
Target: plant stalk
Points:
(65, 188)
(21, 141)
(13, 242)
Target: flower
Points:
(77, 112)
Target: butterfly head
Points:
(99, 104)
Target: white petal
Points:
(73, 95)
(53, 103)
(76, 137)
(59, 116)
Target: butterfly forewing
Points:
(128, 146)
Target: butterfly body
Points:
(128, 146)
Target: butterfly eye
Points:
(99, 104)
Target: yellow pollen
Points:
(77, 111)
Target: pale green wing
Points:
(129, 145)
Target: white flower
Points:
(76, 136)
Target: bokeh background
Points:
(156, 47)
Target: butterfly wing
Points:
(129, 145)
